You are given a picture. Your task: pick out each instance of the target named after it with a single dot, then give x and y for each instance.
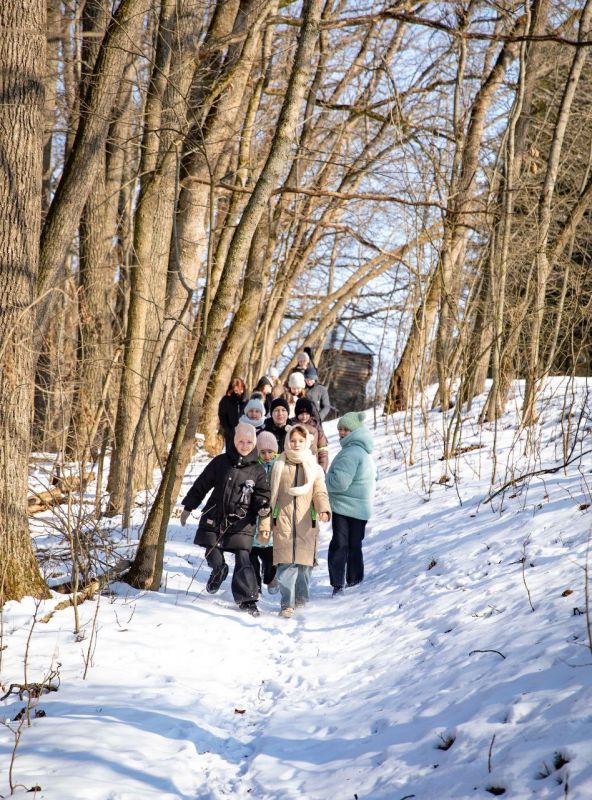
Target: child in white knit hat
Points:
(254, 413)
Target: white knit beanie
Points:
(296, 381)
(243, 429)
(254, 402)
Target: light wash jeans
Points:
(294, 580)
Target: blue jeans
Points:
(294, 580)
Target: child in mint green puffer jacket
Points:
(350, 481)
(262, 550)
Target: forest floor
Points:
(460, 668)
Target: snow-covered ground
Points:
(460, 668)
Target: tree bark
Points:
(535, 371)
(98, 228)
(22, 62)
(83, 161)
(530, 65)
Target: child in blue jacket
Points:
(350, 483)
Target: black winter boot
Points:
(216, 579)
(250, 607)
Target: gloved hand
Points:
(184, 516)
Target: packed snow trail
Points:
(433, 679)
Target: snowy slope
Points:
(356, 697)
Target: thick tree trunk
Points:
(460, 212)
(22, 62)
(83, 161)
(98, 227)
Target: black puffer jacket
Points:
(227, 475)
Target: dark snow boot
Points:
(337, 590)
(250, 607)
(216, 579)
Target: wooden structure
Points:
(345, 365)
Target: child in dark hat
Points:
(264, 386)
(304, 415)
(278, 420)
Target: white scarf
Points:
(303, 458)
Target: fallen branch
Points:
(490, 752)
(65, 486)
(547, 471)
(34, 689)
(91, 588)
(484, 651)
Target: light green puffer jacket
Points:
(351, 478)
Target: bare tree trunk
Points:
(400, 390)
(22, 63)
(152, 238)
(147, 568)
(461, 208)
(98, 227)
(530, 63)
(535, 372)
(241, 329)
(64, 213)
(54, 22)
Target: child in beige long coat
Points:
(299, 501)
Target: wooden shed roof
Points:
(342, 338)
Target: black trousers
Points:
(262, 561)
(346, 562)
(244, 584)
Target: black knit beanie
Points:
(279, 402)
(303, 405)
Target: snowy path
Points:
(189, 699)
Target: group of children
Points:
(269, 495)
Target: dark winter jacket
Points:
(279, 433)
(230, 409)
(227, 475)
(320, 397)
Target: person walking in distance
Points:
(316, 392)
(230, 409)
(351, 480)
(240, 496)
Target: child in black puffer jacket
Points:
(240, 496)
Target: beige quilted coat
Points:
(294, 536)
